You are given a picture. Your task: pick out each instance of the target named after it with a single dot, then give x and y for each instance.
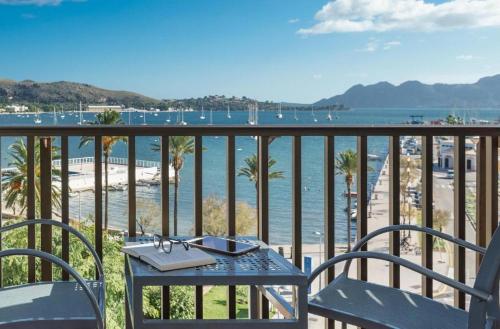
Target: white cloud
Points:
(293, 20)
(414, 15)
(317, 76)
(370, 47)
(36, 2)
(466, 57)
(391, 44)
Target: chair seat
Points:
(374, 306)
(47, 305)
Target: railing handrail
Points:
(261, 130)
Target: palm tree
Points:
(251, 170)
(179, 146)
(346, 164)
(108, 117)
(15, 183)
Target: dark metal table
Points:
(263, 269)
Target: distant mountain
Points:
(46, 94)
(484, 93)
(63, 92)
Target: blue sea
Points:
(214, 165)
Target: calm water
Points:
(214, 166)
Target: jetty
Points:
(82, 178)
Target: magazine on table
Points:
(178, 258)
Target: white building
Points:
(446, 154)
(16, 108)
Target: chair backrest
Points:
(487, 280)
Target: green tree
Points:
(251, 170)
(215, 217)
(178, 147)
(454, 120)
(346, 164)
(15, 183)
(108, 117)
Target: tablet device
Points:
(223, 245)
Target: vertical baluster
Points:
(329, 210)
(1, 198)
(132, 206)
(263, 205)
(297, 201)
(98, 196)
(31, 208)
(427, 211)
(394, 208)
(46, 202)
(459, 215)
(231, 215)
(165, 209)
(492, 197)
(362, 219)
(65, 202)
(491, 186)
(198, 211)
(480, 197)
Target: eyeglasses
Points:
(166, 243)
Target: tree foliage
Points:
(215, 217)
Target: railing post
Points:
(1, 198)
(31, 205)
(329, 212)
(459, 215)
(165, 215)
(46, 202)
(198, 211)
(263, 205)
(98, 196)
(394, 207)
(231, 215)
(297, 201)
(362, 218)
(491, 186)
(480, 197)
(427, 212)
(132, 204)
(65, 202)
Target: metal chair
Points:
(370, 305)
(78, 304)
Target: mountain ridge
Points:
(412, 93)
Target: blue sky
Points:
(281, 50)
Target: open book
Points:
(177, 259)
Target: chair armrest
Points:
(427, 230)
(65, 227)
(79, 279)
(403, 262)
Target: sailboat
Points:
(279, 115)
(168, 117)
(295, 114)
(54, 114)
(81, 114)
(62, 112)
(313, 115)
(144, 117)
(182, 122)
(211, 122)
(251, 115)
(329, 116)
(37, 117)
(202, 116)
(228, 112)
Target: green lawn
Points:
(215, 300)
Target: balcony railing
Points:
(486, 187)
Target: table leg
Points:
(128, 322)
(253, 303)
(302, 306)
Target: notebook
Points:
(179, 257)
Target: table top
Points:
(260, 267)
